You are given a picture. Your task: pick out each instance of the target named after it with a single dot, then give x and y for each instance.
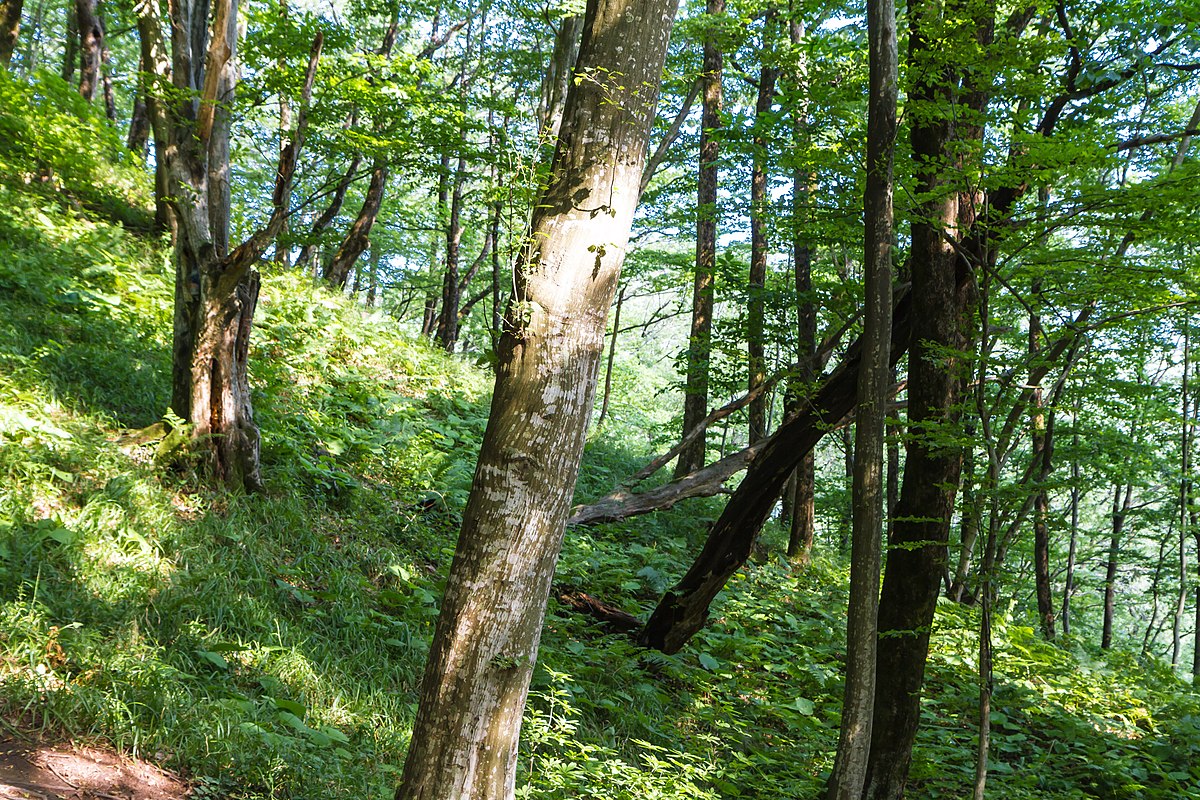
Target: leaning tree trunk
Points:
(1120, 511)
(10, 27)
(695, 401)
(358, 239)
(464, 741)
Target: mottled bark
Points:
(695, 401)
(874, 379)
(465, 737)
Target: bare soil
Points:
(33, 771)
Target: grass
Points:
(271, 646)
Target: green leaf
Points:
(708, 662)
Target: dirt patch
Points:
(30, 771)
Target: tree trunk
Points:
(1069, 581)
(10, 28)
(447, 324)
(917, 552)
(1185, 477)
(106, 81)
(1119, 512)
(802, 487)
(612, 356)
(695, 401)
(465, 736)
(308, 253)
(216, 289)
(282, 243)
(558, 76)
(91, 42)
(757, 289)
(684, 609)
(874, 379)
(139, 121)
(70, 43)
(1041, 501)
(337, 271)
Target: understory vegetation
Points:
(272, 645)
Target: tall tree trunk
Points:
(801, 487)
(1069, 582)
(1041, 500)
(917, 552)
(465, 736)
(1119, 511)
(282, 244)
(447, 324)
(1185, 477)
(874, 379)
(695, 401)
(70, 43)
(10, 28)
(91, 42)
(558, 76)
(987, 595)
(106, 78)
(139, 121)
(757, 289)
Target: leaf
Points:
(708, 662)
(213, 658)
(804, 706)
(290, 706)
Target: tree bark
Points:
(464, 741)
(874, 379)
(917, 552)
(91, 42)
(337, 271)
(10, 29)
(1119, 512)
(216, 289)
(757, 289)
(1069, 581)
(70, 44)
(558, 76)
(1041, 500)
(139, 121)
(447, 324)
(1185, 477)
(695, 401)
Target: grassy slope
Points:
(271, 646)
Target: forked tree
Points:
(216, 287)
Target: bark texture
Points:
(10, 28)
(468, 724)
(695, 401)
(874, 379)
(91, 42)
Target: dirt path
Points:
(31, 771)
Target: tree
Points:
(465, 736)
(216, 288)
(874, 377)
(695, 401)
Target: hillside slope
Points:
(271, 646)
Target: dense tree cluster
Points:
(956, 346)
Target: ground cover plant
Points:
(271, 645)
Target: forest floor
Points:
(40, 771)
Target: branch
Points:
(660, 153)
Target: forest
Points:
(451, 399)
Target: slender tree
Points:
(874, 378)
(695, 401)
(10, 28)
